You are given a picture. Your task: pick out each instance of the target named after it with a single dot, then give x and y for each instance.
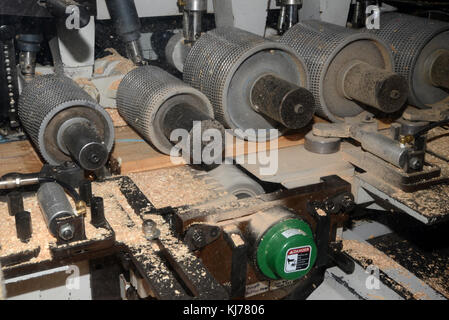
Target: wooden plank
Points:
(133, 153)
(136, 155)
(18, 157)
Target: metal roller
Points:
(421, 53)
(253, 83)
(349, 71)
(54, 205)
(65, 123)
(155, 103)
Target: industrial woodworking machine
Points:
(224, 149)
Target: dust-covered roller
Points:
(155, 104)
(253, 83)
(349, 71)
(421, 51)
(65, 123)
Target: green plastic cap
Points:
(287, 250)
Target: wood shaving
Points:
(365, 252)
(432, 201)
(174, 187)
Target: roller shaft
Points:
(375, 87)
(182, 116)
(282, 101)
(85, 146)
(439, 71)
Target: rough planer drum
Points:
(155, 103)
(65, 123)
(253, 83)
(350, 72)
(421, 52)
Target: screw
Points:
(197, 237)
(66, 232)
(94, 158)
(415, 163)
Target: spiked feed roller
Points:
(156, 103)
(421, 53)
(253, 83)
(65, 123)
(349, 71)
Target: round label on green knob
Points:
(287, 250)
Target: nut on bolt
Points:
(66, 232)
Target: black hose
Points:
(430, 127)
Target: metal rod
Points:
(282, 101)
(85, 146)
(375, 87)
(182, 116)
(54, 205)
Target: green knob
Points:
(287, 250)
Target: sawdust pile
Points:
(365, 251)
(41, 239)
(368, 254)
(121, 217)
(174, 187)
(125, 65)
(117, 120)
(432, 201)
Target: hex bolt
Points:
(66, 232)
(415, 163)
(198, 237)
(150, 230)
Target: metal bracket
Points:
(77, 222)
(239, 266)
(201, 235)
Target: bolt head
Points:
(66, 232)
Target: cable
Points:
(430, 127)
